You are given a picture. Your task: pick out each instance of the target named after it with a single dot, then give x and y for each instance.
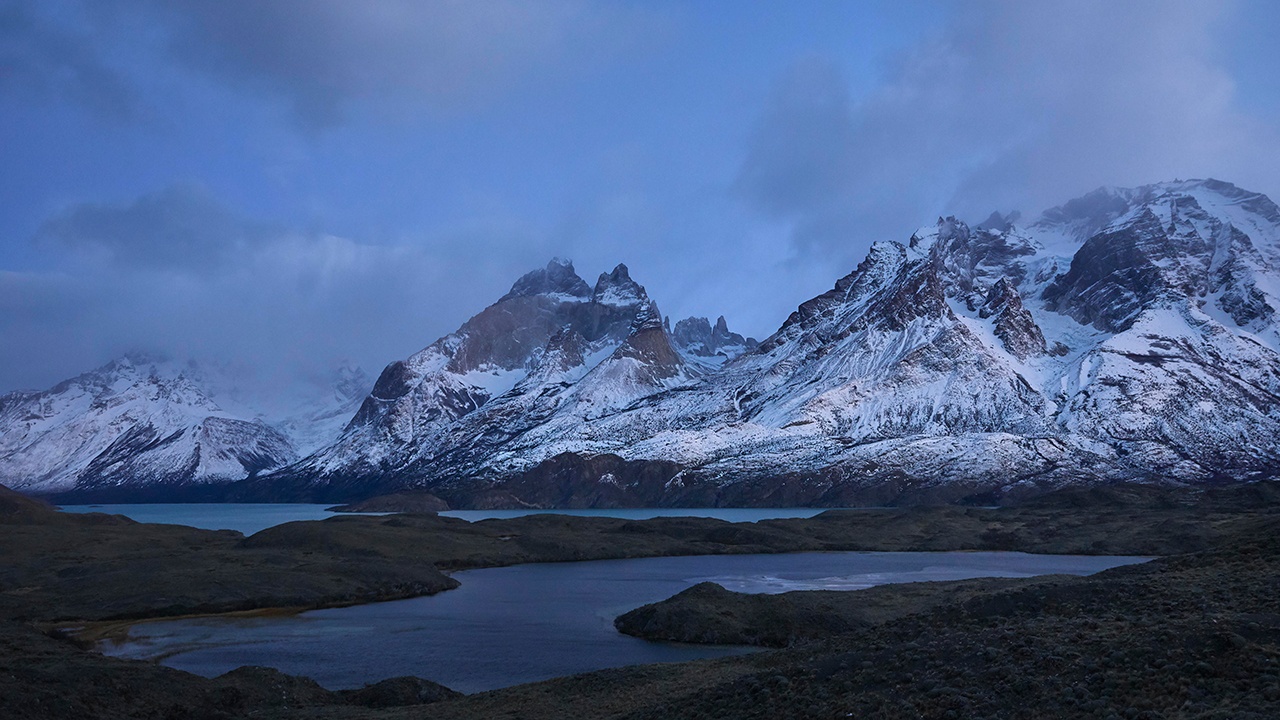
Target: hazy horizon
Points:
(293, 183)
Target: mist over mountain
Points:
(1126, 335)
(1129, 334)
(142, 423)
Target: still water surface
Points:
(249, 518)
(512, 625)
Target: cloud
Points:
(180, 273)
(328, 57)
(180, 227)
(51, 60)
(1012, 105)
(325, 60)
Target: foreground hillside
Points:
(1192, 635)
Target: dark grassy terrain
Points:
(1192, 636)
(707, 613)
(868, 654)
(1195, 636)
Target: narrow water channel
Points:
(507, 626)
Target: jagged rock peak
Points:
(1014, 325)
(650, 344)
(1091, 213)
(648, 316)
(696, 336)
(557, 278)
(617, 288)
(948, 229)
(1086, 215)
(563, 352)
(998, 222)
(1176, 243)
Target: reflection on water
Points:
(729, 514)
(249, 518)
(511, 625)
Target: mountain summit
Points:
(1130, 334)
(550, 348)
(1126, 335)
(148, 427)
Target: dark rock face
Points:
(1114, 276)
(1168, 252)
(888, 288)
(1014, 325)
(971, 258)
(650, 345)
(570, 480)
(1089, 214)
(557, 277)
(617, 288)
(999, 223)
(696, 336)
(395, 382)
(1240, 297)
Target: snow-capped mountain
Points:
(311, 409)
(144, 426)
(696, 336)
(1130, 334)
(1127, 335)
(553, 340)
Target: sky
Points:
(298, 183)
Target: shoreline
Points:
(116, 630)
(93, 577)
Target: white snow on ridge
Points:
(1128, 335)
(141, 420)
(943, 397)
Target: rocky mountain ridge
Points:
(144, 426)
(1127, 335)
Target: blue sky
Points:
(293, 182)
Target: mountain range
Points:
(146, 427)
(1127, 335)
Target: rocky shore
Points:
(1191, 635)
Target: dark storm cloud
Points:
(181, 227)
(1012, 105)
(804, 150)
(43, 59)
(467, 142)
(324, 56)
(187, 276)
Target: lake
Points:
(506, 626)
(249, 518)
